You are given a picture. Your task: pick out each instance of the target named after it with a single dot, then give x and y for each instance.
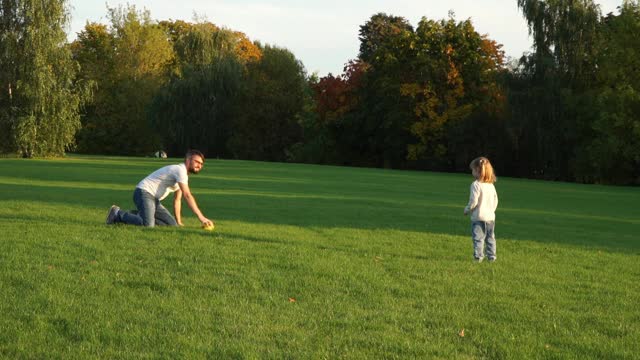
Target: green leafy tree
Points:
(94, 50)
(383, 116)
(455, 93)
(383, 38)
(40, 99)
(610, 148)
(415, 98)
(267, 124)
(130, 61)
(422, 93)
(316, 145)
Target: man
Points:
(155, 187)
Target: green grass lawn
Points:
(313, 262)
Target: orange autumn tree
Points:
(337, 102)
(453, 78)
(414, 97)
(336, 95)
(245, 49)
(201, 42)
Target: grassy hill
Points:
(312, 262)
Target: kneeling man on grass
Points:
(155, 187)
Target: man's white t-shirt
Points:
(164, 181)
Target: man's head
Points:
(194, 160)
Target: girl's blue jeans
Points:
(484, 239)
(150, 211)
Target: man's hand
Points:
(206, 222)
(191, 201)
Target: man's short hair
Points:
(193, 152)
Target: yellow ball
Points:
(208, 227)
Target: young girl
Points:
(483, 201)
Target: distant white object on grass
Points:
(160, 154)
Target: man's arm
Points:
(191, 201)
(177, 206)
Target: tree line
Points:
(429, 97)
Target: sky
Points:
(323, 34)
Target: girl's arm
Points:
(474, 194)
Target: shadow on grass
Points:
(339, 211)
(216, 235)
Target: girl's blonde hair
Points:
(484, 170)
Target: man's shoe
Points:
(112, 216)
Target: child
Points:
(482, 205)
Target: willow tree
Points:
(564, 38)
(196, 107)
(39, 98)
(562, 65)
(195, 110)
(271, 101)
(203, 42)
(611, 148)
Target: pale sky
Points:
(323, 34)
